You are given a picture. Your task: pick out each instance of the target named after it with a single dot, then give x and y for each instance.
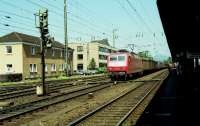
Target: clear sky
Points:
(137, 21)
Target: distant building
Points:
(20, 54)
(84, 52)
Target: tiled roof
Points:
(20, 37)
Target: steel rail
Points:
(82, 118)
(52, 88)
(35, 105)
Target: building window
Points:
(9, 49)
(102, 57)
(32, 50)
(80, 56)
(33, 68)
(53, 67)
(62, 68)
(46, 68)
(102, 49)
(80, 67)
(53, 52)
(9, 67)
(79, 48)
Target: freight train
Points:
(123, 65)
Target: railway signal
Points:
(46, 42)
(49, 42)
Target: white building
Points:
(84, 52)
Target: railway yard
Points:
(89, 101)
(99, 63)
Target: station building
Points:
(20, 55)
(84, 52)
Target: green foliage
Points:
(168, 60)
(101, 70)
(92, 64)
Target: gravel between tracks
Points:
(65, 112)
(30, 98)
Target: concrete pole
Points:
(66, 37)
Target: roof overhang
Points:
(181, 24)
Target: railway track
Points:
(116, 111)
(53, 87)
(25, 86)
(7, 89)
(16, 111)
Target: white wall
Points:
(15, 58)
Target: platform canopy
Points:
(181, 22)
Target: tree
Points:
(168, 60)
(92, 64)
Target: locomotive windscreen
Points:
(116, 60)
(113, 58)
(121, 58)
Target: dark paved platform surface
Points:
(176, 103)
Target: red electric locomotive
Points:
(124, 64)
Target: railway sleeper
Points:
(110, 116)
(118, 110)
(100, 122)
(121, 106)
(115, 113)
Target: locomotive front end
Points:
(117, 65)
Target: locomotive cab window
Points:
(121, 58)
(113, 58)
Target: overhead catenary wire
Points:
(128, 13)
(84, 21)
(139, 16)
(16, 22)
(77, 17)
(89, 16)
(51, 11)
(142, 20)
(59, 14)
(91, 12)
(13, 5)
(134, 20)
(147, 14)
(31, 19)
(17, 15)
(18, 27)
(46, 2)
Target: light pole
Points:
(66, 37)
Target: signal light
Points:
(49, 42)
(45, 31)
(44, 16)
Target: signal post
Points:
(46, 42)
